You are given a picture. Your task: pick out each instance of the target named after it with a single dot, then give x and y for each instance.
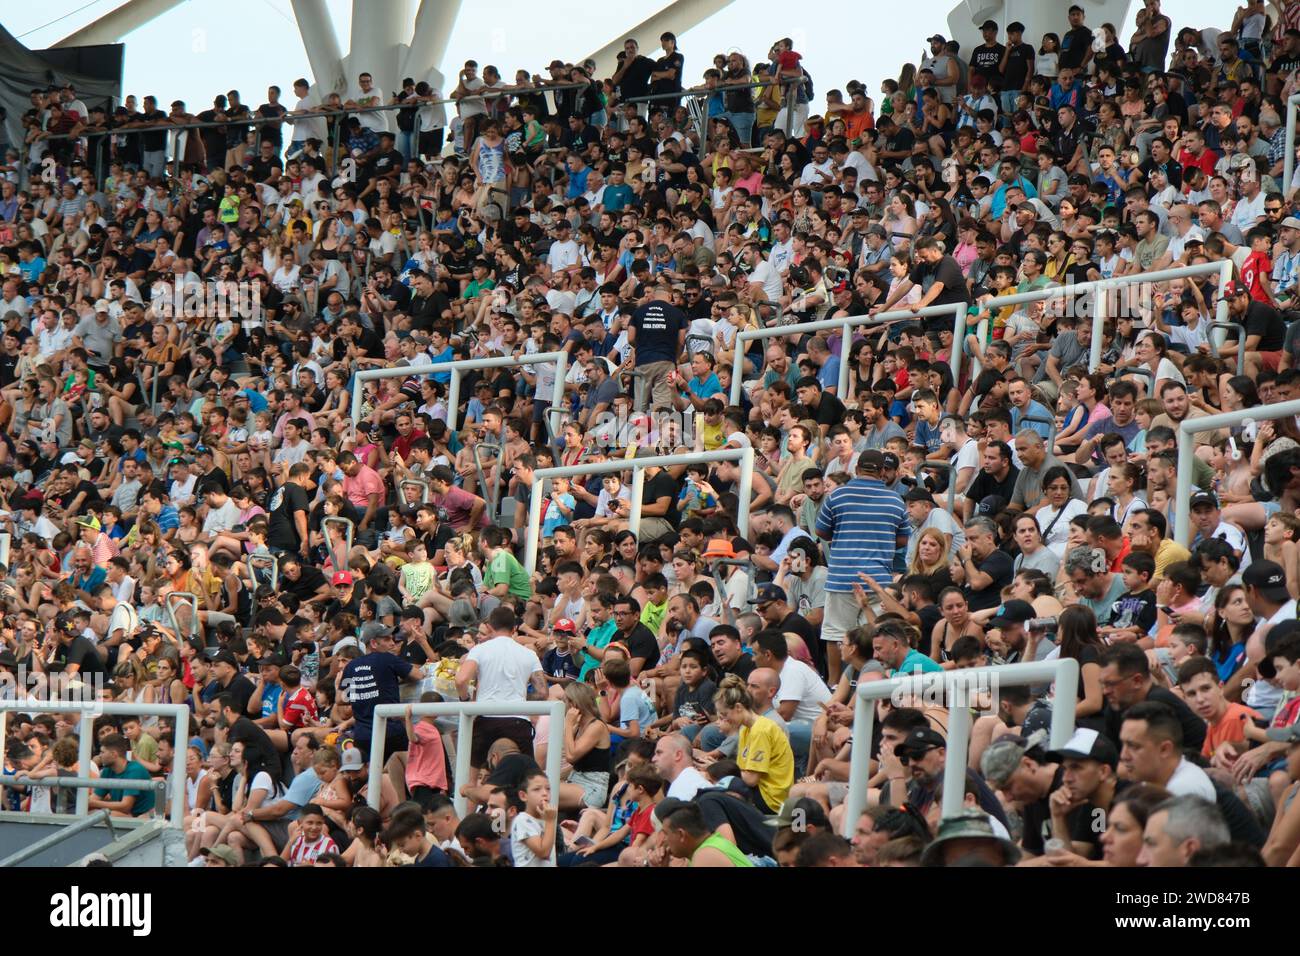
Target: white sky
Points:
(204, 47)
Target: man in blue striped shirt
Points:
(865, 522)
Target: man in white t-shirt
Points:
(564, 253)
(762, 274)
(674, 762)
(365, 95)
(469, 106)
(309, 125)
(1151, 739)
(223, 514)
(503, 670)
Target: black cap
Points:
(889, 460)
(918, 494)
(224, 656)
(992, 505)
(1204, 498)
(769, 592)
(1012, 612)
(1276, 634)
(272, 660)
(1268, 578)
(919, 742)
(871, 460)
(988, 25)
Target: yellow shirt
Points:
(1169, 552)
(765, 750)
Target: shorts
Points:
(1270, 360)
(595, 786)
(488, 730)
(277, 830)
(424, 796)
(836, 792)
(842, 615)
(1270, 508)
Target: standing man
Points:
(865, 523)
(373, 679)
(658, 333)
(504, 670)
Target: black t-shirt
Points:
(82, 653)
(1172, 169)
(641, 643)
(830, 410)
(662, 485)
(657, 325)
(753, 835)
(1074, 47)
(308, 583)
(509, 772)
(742, 667)
(259, 752)
(241, 688)
(636, 79)
(985, 484)
(984, 61)
(281, 532)
(1266, 322)
(946, 271)
(1131, 610)
(1037, 818)
(374, 679)
(669, 61)
(1018, 57)
(1193, 726)
(799, 625)
(999, 567)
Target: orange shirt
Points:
(1229, 729)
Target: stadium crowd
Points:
(197, 516)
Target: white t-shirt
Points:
(562, 255)
(689, 782)
(377, 121)
(468, 106)
(525, 828)
(504, 670)
(308, 127)
(1190, 779)
(799, 682)
(222, 519)
(771, 279)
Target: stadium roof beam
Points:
(321, 44)
(117, 23)
(677, 17)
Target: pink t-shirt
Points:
(426, 763)
(362, 485)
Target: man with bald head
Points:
(673, 759)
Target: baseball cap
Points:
(1088, 744)
(272, 660)
(1012, 612)
(101, 305)
(1290, 222)
(1207, 498)
(920, 742)
(352, 760)
(937, 37)
(876, 230)
(66, 623)
(918, 494)
(225, 657)
(1233, 289)
(223, 853)
(341, 578)
(871, 460)
(566, 626)
(769, 592)
(1269, 578)
(992, 505)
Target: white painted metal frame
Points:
(466, 711)
(1188, 428)
(458, 368)
(89, 710)
(533, 532)
(1064, 672)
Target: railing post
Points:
(864, 718)
(1183, 488)
(959, 724)
(745, 492)
(464, 747)
(1100, 305)
(533, 534)
(85, 744)
(634, 510)
(453, 401)
(378, 735)
(958, 342)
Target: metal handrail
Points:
(466, 711)
(957, 686)
(951, 470)
(349, 529)
(715, 565)
(187, 597)
(744, 456)
(1241, 342)
(489, 487)
(1051, 429)
(89, 710)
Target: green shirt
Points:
(916, 661)
(504, 568)
(726, 848)
(144, 799)
(146, 748)
(597, 637)
(652, 615)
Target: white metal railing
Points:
(1188, 428)
(458, 368)
(845, 326)
(957, 686)
(466, 711)
(89, 710)
(744, 456)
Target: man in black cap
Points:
(923, 513)
(1013, 644)
(1087, 789)
(1265, 330)
(230, 681)
(986, 58)
(70, 652)
(915, 770)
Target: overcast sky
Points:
(207, 46)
